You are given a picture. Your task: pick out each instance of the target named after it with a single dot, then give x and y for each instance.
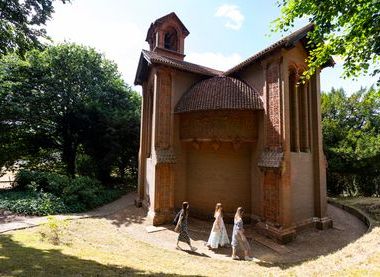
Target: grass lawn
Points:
(96, 247)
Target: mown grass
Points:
(97, 247)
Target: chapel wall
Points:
(181, 83)
(302, 187)
(219, 147)
(254, 77)
(300, 140)
(221, 175)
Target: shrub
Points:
(83, 193)
(85, 165)
(32, 203)
(43, 193)
(53, 229)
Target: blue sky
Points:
(222, 33)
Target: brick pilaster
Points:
(163, 154)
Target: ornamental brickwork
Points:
(273, 122)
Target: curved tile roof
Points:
(219, 93)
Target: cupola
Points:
(166, 36)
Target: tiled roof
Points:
(270, 159)
(162, 20)
(219, 93)
(284, 42)
(155, 58)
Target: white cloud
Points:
(214, 60)
(234, 15)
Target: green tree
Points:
(62, 99)
(348, 28)
(20, 24)
(351, 134)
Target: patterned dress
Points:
(238, 238)
(218, 234)
(183, 230)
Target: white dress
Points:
(218, 236)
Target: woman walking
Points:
(181, 227)
(239, 241)
(218, 236)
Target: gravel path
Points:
(308, 244)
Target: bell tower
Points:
(166, 36)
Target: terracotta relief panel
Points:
(165, 193)
(271, 196)
(163, 127)
(219, 125)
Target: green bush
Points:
(26, 177)
(84, 192)
(44, 193)
(32, 203)
(85, 166)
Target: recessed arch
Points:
(171, 39)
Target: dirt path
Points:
(122, 213)
(308, 244)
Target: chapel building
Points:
(250, 136)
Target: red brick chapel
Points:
(249, 136)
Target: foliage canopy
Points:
(351, 133)
(21, 24)
(346, 28)
(65, 104)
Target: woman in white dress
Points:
(218, 236)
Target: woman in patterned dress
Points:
(239, 241)
(218, 234)
(182, 227)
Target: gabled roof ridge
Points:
(283, 42)
(148, 54)
(148, 57)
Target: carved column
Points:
(305, 130)
(163, 155)
(320, 198)
(143, 146)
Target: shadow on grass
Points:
(19, 260)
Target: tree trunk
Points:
(69, 153)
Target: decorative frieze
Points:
(219, 126)
(164, 156)
(271, 159)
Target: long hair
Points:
(185, 207)
(239, 213)
(218, 208)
